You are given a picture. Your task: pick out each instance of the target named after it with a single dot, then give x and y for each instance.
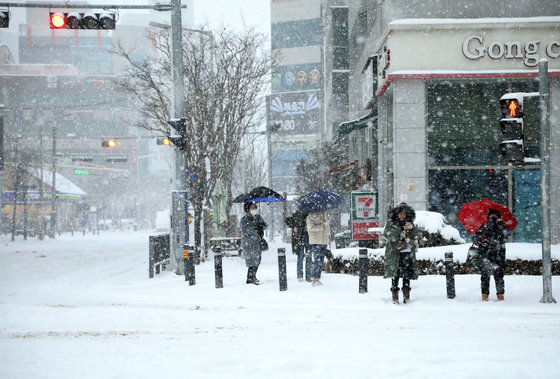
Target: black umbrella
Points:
(320, 200)
(259, 195)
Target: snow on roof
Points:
(493, 20)
(63, 185)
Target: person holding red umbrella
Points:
(490, 239)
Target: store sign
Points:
(369, 83)
(299, 77)
(364, 215)
(296, 112)
(530, 52)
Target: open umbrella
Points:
(259, 195)
(320, 201)
(473, 215)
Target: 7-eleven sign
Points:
(364, 206)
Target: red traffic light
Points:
(86, 20)
(57, 20)
(111, 143)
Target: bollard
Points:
(283, 277)
(192, 276)
(363, 264)
(151, 258)
(449, 275)
(218, 267)
(188, 260)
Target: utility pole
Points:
(53, 203)
(178, 86)
(545, 182)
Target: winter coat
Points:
(318, 228)
(251, 229)
(297, 223)
(395, 234)
(490, 239)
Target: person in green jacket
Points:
(400, 252)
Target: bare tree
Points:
(225, 78)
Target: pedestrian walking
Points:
(252, 232)
(400, 252)
(490, 239)
(318, 228)
(300, 243)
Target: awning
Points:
(362, 122)
(342, 167)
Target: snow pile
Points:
(434, 222)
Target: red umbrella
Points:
(474, 215)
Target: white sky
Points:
(234, 13)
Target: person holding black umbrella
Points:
(300, 243)
(400, 252)
(318, 228)
(252, 231)
(490, 239)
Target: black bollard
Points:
(192, 277)
(151, 258)
(283, 276)
(450, 275)
(188, 260)
(363, 263)
(218, 267)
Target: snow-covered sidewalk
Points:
(84, 307)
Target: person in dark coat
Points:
(300, 243)
(490, 239)
(400, 252)
(252, 231)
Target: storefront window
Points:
(463, 122)
(450, 189)
(465, 162)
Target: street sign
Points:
(364, 215)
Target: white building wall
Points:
(409, 143)
(555, 158)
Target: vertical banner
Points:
(364, 215)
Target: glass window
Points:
(450, 189)
(463, 122)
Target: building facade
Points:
(59, 102)
(430, 126)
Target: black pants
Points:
(404, 271)
(498, 279)
(252, 274)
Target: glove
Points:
(409, 225)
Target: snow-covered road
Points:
(83, 306)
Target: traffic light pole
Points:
(545, 182)
(157, 7)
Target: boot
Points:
(395, 295)
(484, 297)
(406, 295)
(500, 297)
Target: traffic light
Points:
(180, 140)
(4, 18)
(511, 125)
(163, 141)
(82, 20)
(111, 143)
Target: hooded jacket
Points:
(395, 234)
